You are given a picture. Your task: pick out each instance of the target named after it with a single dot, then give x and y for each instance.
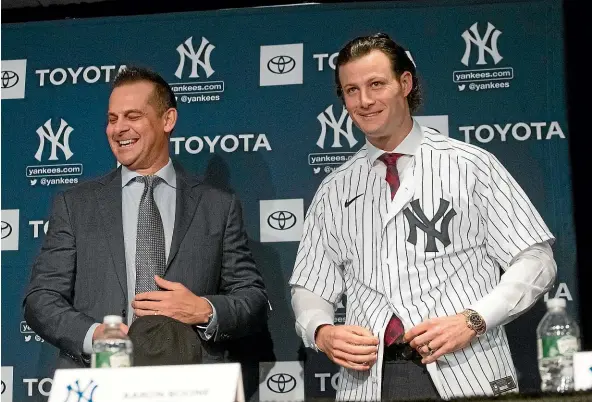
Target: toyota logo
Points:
(282, 220)
(9, 79)
(281, 64)
(281, 383)
(6, 229)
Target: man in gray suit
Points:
(96, 252)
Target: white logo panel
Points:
(281, 220)
(10, 229)
(6, 384)
(281, 65)
(438, 123)
(284, 381)
(12, 78)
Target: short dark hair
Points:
(163, 94)
(400, 62)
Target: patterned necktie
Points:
(394, 330)
(392, 174)
(150, 247)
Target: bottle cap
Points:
(112, 320)
(556, 303)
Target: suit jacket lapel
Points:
(109, 198)
(188, 195)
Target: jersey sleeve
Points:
(316, 267)
(513, 223)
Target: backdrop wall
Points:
(258, 115)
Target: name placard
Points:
(582, 365)
(180, 383)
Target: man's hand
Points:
(100, 330)
(349, 346)
(437, 336)
(175, 301)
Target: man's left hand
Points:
(175, 301)
(437, 336)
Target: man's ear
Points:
(170, 119)
(406, 81)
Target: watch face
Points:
(476, 320)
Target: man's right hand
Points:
(101, 329)
(349, 346)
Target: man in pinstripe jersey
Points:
(414, 229)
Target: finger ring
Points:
(155, 312)
(427, 346)
(431, 351)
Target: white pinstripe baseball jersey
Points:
(432, 251)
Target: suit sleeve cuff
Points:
(87, 345)
(208, 331)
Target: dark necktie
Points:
(150, 247)
(394, 330)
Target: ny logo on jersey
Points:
(473, 37)
(201, 57)
(417, 219)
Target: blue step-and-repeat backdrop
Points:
(258, 115)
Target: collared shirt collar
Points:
(167, 173)
(408, 146)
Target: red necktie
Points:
(394, 330)
(392, 174)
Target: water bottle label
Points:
(568, 345)
(554, 346)
(111, 359)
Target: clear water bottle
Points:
(113, 348)
(558, 338)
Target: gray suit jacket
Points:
(80, 273)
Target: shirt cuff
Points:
(206, 332)
(491, 309)
(87, 346)
(317, 318)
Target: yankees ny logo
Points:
(417, 219)
(201, 57)
(481, 42)
(83, 395)
(45, 132)
(327, 118)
